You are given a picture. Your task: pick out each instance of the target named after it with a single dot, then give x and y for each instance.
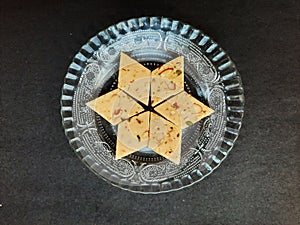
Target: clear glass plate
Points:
(210, 76)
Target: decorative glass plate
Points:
(210, 76)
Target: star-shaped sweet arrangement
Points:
(150, 108)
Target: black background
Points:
(43, 182)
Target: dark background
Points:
(43, 182)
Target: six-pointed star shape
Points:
(150, 108)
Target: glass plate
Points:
(210, 76)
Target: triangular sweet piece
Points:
(189, 108)
(133, 135)
(165, 138)
(168, 79)
(134, 78)
(115, 106)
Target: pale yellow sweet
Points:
(167, 80)
(189, 109)
(134, 78)
(133, 135)
(165, 138)
(115, 106)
